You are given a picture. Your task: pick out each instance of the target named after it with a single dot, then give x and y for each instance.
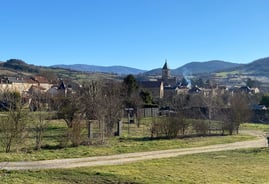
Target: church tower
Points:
(165, 72)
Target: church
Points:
(166, 76)
(161, 87)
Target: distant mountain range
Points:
(198, 67)
(193, 67)
(258, 67)
(121, 70)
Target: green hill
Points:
(205, 67)
(258, 67)
(198, 68)
(19, 66)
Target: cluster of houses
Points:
(168, 85)
(34, 84)
(161, 87)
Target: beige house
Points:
(23, 85)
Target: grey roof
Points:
(150, 84)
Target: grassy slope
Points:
(255, 126)
(224, 74)
(115, 146)
(244, 166)
(241, 166)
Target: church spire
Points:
(165, 71)
(165, 66)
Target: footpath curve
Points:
(131, 157)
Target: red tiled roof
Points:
(41, 79)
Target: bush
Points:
(201, 127)
(168, 127)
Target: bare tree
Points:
(179, 103)
(236, 111)
(40, 123)
(70, 111)
(13, 123)
(40, 116)
(239, 111)
(101, 102)
(113, 104)
(91, 100)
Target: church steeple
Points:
(165, 67)
(165, 72)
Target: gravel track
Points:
(132, 157)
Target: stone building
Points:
(161, 87)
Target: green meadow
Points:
(241, 166)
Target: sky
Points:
(135, 33)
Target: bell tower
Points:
(165, 72)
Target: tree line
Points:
(103, 103)
(94, 101)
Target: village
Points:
(134, 92)
(118, 118)
(161, 87)
(168, 85)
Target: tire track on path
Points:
(131, 157)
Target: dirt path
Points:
(131, 157)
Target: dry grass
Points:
(243, 166)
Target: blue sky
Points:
(136, 33)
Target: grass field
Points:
(243, 166)
(120, 145)
(115, 145)
(224, 74)
(255, 126)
